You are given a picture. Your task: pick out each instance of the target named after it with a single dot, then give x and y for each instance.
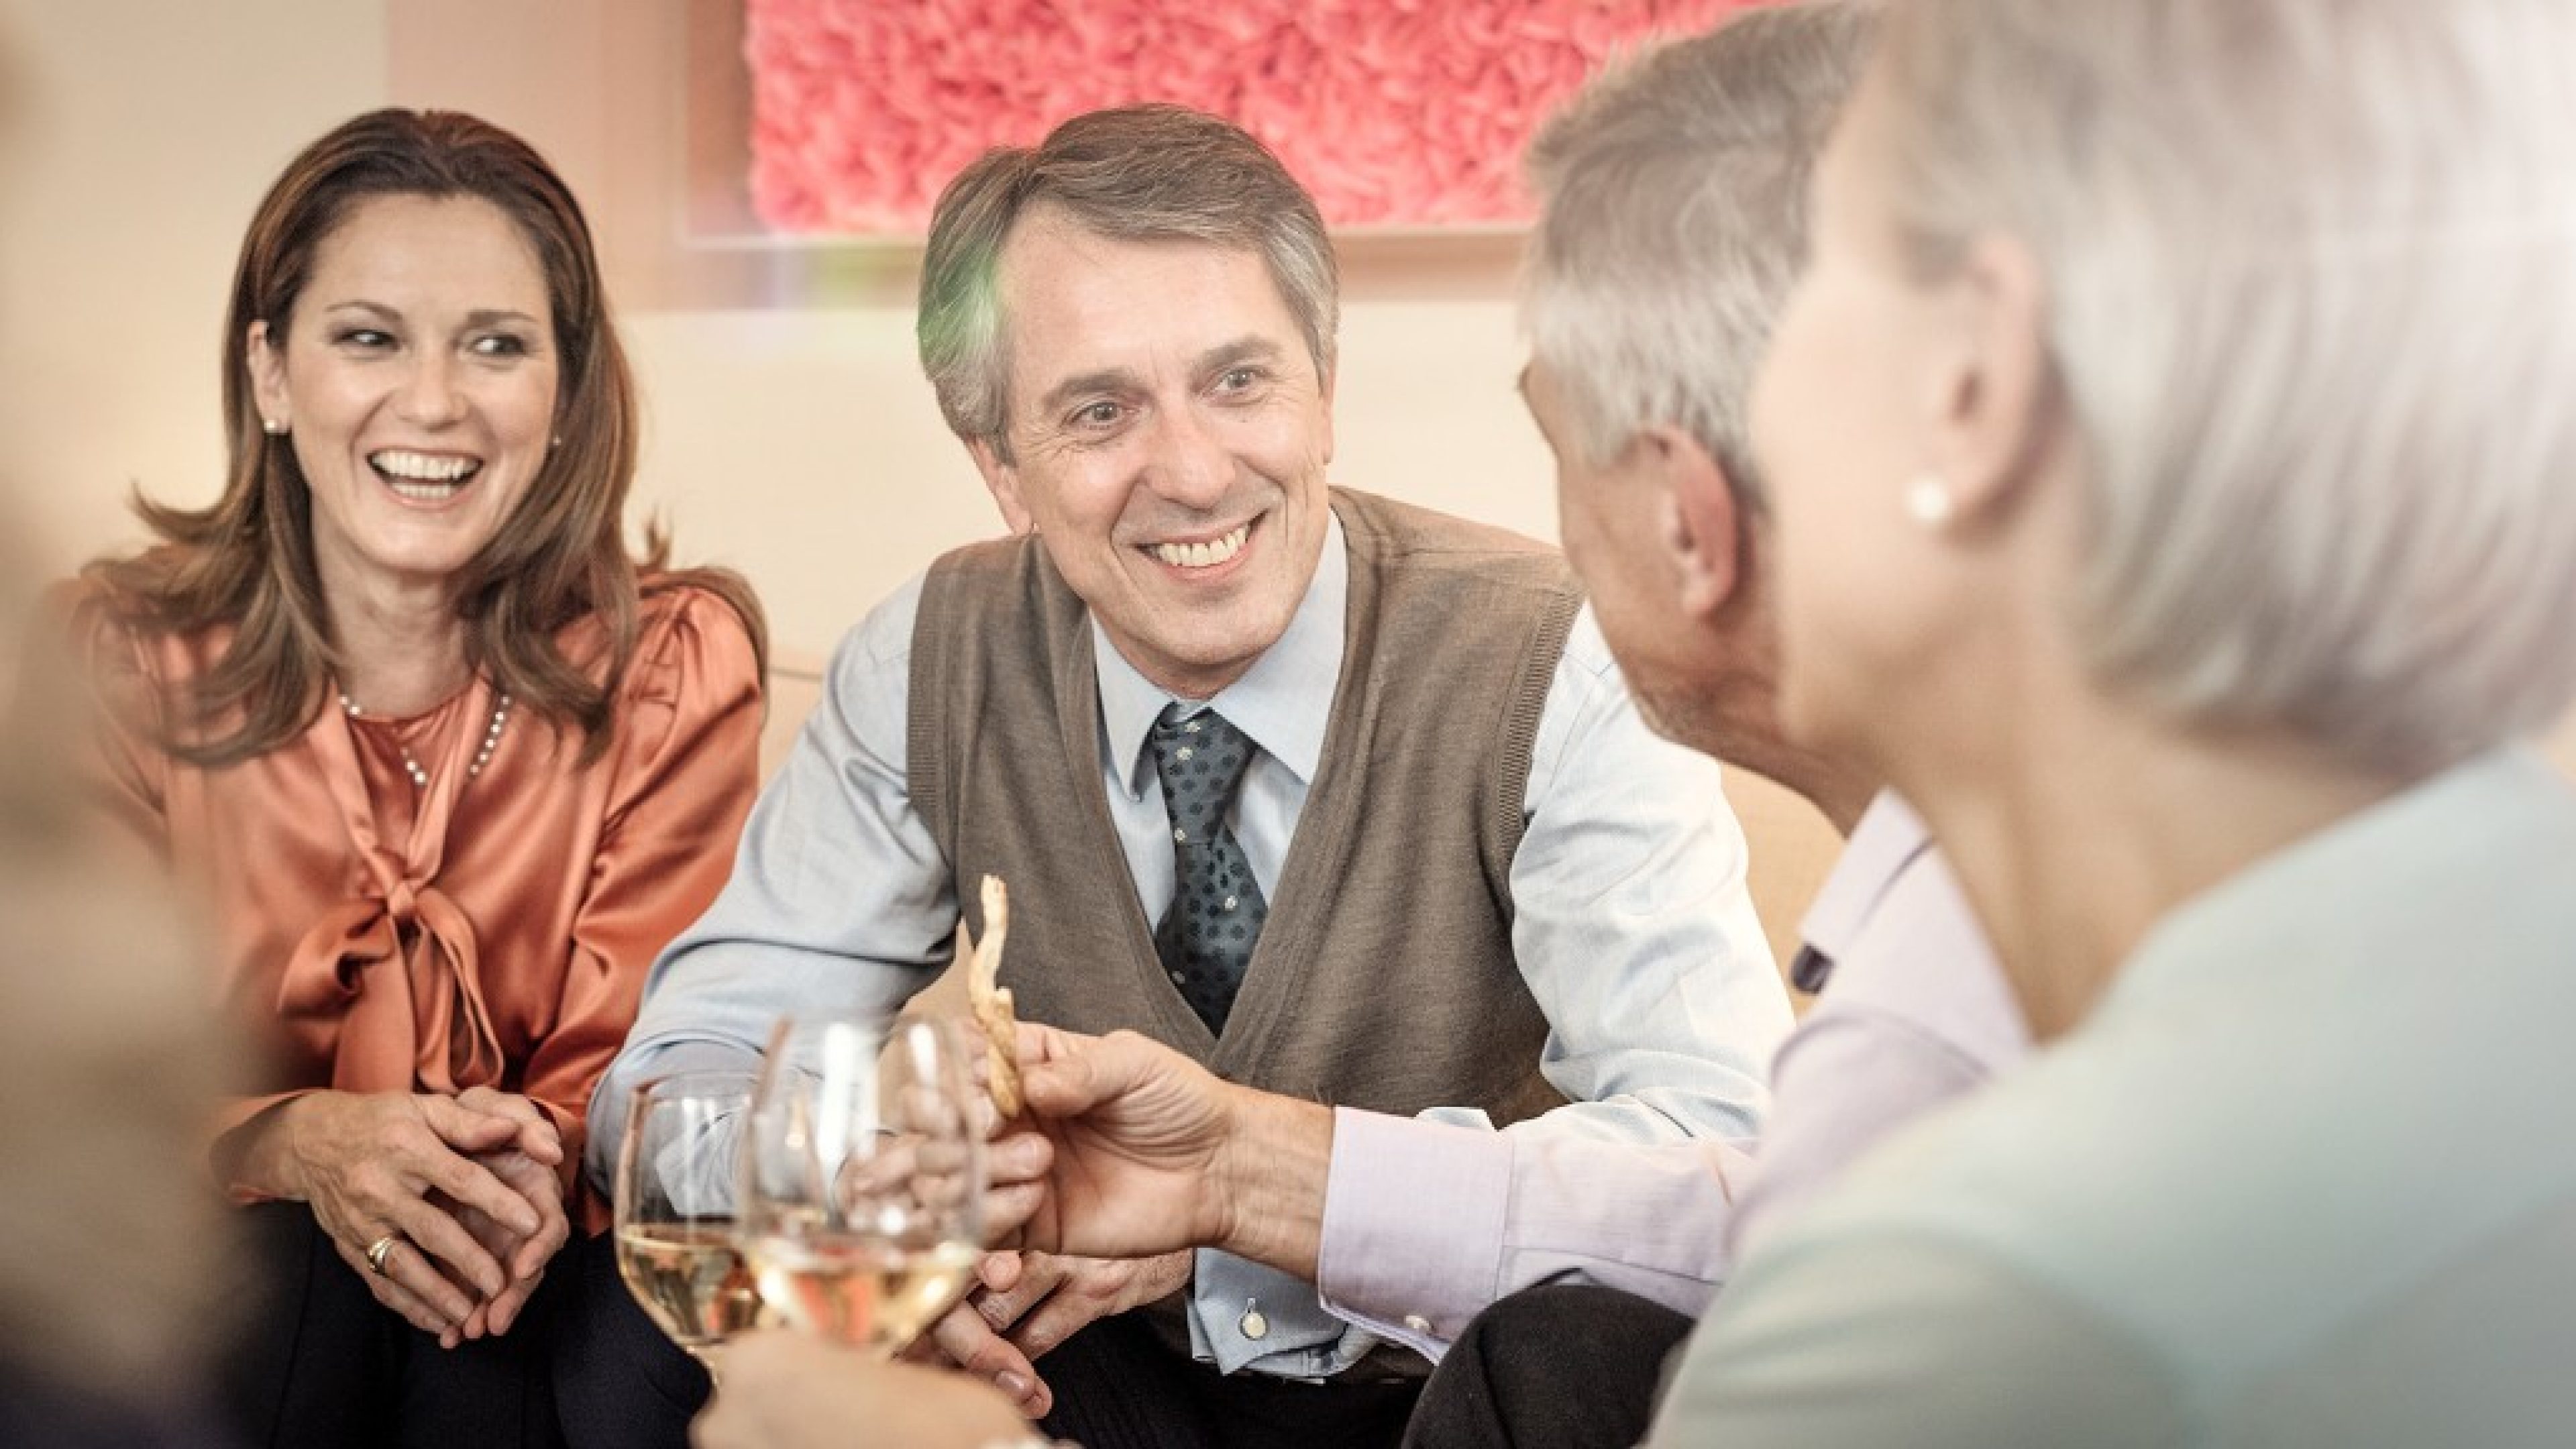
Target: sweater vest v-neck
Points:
(1384, 977)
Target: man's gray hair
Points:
(1137, 173)
(1675, 222)
(2311, 286)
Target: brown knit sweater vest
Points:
(1384, 976)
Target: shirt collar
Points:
(1283, 702)
(1890, 835)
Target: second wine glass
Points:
(677, 1179)
(863, 1184)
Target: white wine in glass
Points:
(859, 1290)
(863, 1198)
(677, 1184)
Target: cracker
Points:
(991, 1002)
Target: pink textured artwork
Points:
(1393, 112)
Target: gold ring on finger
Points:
(381, 1249)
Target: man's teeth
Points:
(422, 467)
(1201, 555)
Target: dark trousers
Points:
(1117, 1387)
(317, 1361)
(620, 1382)
(1561, 1366)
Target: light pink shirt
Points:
(1426, 1223)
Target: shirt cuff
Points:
(609, 1102)
(1245, 1317)
(1414, 1213)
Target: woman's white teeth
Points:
(422, 467)
(1201, 555)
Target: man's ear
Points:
(1702, 521)
(1325, 380)
(1993, 403)
(1002, 480)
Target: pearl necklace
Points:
(413, 768)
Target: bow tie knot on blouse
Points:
(393, 971)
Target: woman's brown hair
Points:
(247, 559)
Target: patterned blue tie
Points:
(1206, 938)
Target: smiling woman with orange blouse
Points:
(447, 761)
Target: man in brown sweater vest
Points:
(1338, 797)
(1673, 225)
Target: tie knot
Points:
(1201, 759)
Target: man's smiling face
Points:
(1168, 439)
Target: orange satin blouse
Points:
(495, 931)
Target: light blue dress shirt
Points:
(1631, 923)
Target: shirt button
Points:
(1185, 752)
(1192, 727)
(1182, 836)
(1416, 1323)
(1229, 903)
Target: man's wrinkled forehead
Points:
(1096, 354)
(1047, 222)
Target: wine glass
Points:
(678, 1180)
(863, 1189)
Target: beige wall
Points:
(152, 126)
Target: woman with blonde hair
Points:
(2175, 502)
(448, 762)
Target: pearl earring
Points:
(1928, 501)
(274, 427)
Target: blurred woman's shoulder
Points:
(121, 634)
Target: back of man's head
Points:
(1674, 221)
(1135, 173)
